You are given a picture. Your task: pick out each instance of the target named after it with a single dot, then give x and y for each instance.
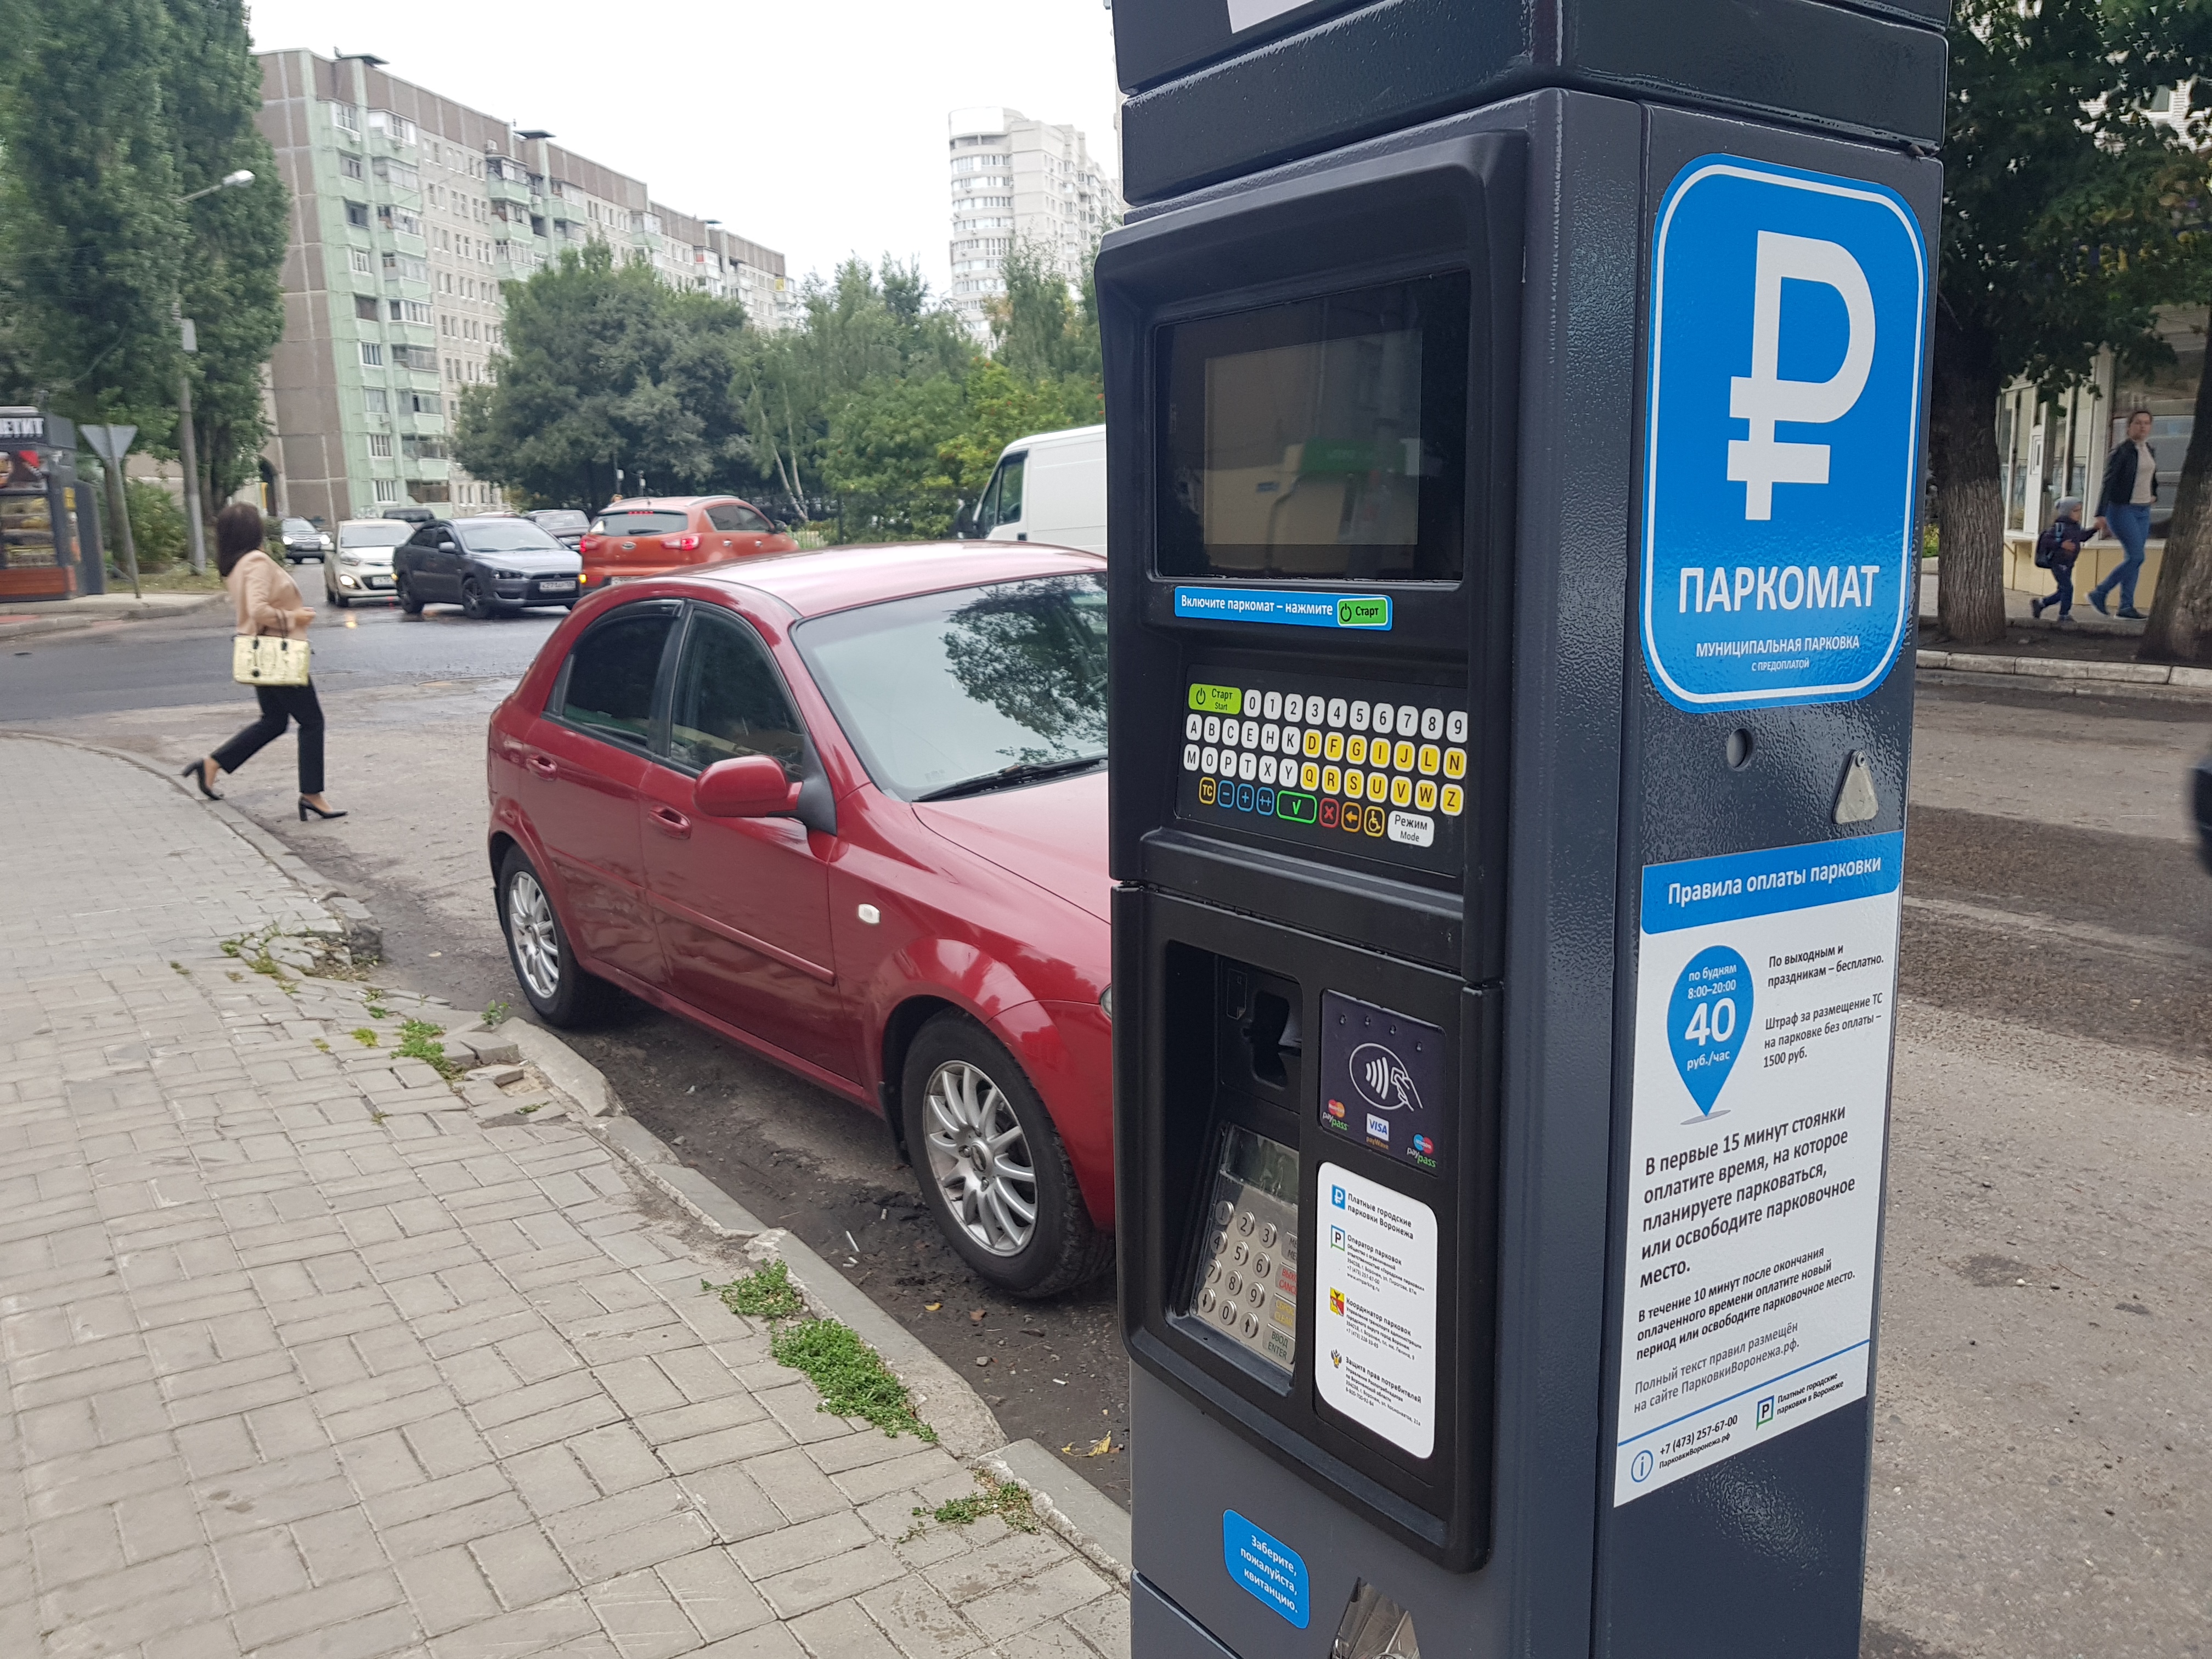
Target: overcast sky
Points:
(814, 126)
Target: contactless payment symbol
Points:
(1781, 468)
(1706, 1019)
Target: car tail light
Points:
(680, 544)
(589, 544)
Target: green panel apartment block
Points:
(408, 212)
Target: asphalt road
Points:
(2044, 1428)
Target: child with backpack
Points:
(2055, 550)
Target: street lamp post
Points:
(188, 444)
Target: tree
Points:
(605, 367)
(2057, 238)
(886, 459)
(231, 280)
(90, 242)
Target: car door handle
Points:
(544, 766)
(671, 821)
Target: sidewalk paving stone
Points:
(303, 1357)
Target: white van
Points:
(1049, 487)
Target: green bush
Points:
(157, 524)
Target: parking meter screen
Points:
(1323, 440)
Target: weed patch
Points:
(1003, 1499)
(418, 1040)
(850, 1376)
(365, 1036)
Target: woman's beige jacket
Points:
(267, 599)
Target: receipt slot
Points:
(1513, 416)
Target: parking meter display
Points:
(1245, 1284)
(1368, 768)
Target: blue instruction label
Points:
(1782, 467)
(1284, 609)
(1264, 1566)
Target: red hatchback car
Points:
(651, 535)
(849, 809)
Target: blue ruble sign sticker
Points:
(1782, 437)
(1706, 1021)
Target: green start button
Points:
(1217, 699)
(1363, 612)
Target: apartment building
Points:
(409, 210)
(1015, 179)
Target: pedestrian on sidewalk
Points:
(2124, 511)
(2056, 549)
(267, 601)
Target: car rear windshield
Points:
(506, 535)
(388, 532)
(947, 689)
(557, 522)
(642, 524)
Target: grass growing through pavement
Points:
(850, 1376)
(365, 1036)
(1003, 1499)
(418, 1040)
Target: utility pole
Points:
(188, 444)
(187, 440)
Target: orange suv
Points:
(656, 535)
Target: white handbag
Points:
(268, 659)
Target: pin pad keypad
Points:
(1363, 767)
(1245, 1284)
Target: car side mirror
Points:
(748, 786)
(447, 547)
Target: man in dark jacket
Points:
(2124, 511)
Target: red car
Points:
(651, 535)
(849, 809)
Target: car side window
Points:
(1010, 488)
(729, 699)
(607, 687)
(723, 515)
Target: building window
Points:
(364, 307)
(357, 214)
(385, 489)
(345, 115)
(362, 266)
(349, 166)
(374, 400)
(380, 445)
(425, 402)
(371, 354)
(415, 310)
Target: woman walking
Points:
(267, 601)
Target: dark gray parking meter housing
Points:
(1513, 423)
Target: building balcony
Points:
(503, 188)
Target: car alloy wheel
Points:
(530, 924)
(472, 600)
(408, 602)
(979, 1156)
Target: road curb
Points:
(1094, 1524)
(2060, 673)
(27, 626)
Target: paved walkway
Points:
(305, 1357)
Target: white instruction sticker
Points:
(1763, 988)
(1375, 1321)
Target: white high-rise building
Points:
(1015, 179)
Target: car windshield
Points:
(642, 523)
(506, 535)
(298, 527)
(386, 532)
(969, 688)
(557, 522)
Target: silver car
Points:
(361, 568)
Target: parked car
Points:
(362, 569)
(779, 799)
(563, 524)
(1047, 487)
(651, 535)
(2199, 790)
(410, 515)
(301, 540)
(485, 565)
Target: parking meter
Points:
(1513, 416)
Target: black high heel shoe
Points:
(197, 773)
(305, 808)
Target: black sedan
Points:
(485, 565)
(563, 524)
(302, 540)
